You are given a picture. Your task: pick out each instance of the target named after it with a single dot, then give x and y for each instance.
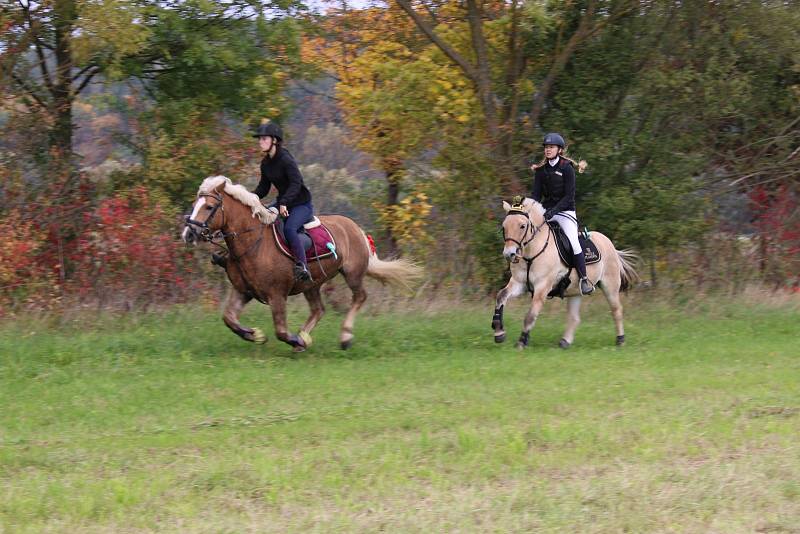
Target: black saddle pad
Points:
(590, 252)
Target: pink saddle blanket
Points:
(320, 237)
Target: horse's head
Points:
(523, 219)
(209, 216)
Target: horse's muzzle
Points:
(189, 234)
(510, 253)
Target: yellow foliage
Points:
(407, 219)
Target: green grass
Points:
(170, 423)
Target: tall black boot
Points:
(580, 265)
(219, 259)
(301, 272)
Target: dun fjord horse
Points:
(536, 268)
(257, 268)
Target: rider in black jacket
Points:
(279, 168)
(554, 187)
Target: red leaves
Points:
(127, 248)
(122, 251)
(778, 224)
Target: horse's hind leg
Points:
(356, 284)
(611, 291)
(234, 305)
(573, 320)
(317, 311)
(512, 289)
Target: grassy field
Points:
(170, 423)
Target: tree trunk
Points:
(392, 199)
(653, 279)
(61, 134)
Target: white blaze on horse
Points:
(537, 268)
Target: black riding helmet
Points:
(554, 139)
(267, 128)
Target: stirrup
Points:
(586, 286)
(301, 273)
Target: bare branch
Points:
(469, 70)
(29, 91)
(86, 81)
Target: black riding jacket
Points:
(554, 186)
(282, 172)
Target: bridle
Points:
(522, 243)
(529, 227)
(206, 234)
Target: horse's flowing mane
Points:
(528, 205)
(536, 206)
(239, 193)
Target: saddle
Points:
(590, 252)
(317, 240)
(590, 255)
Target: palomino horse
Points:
(527, 237)
(257, 269)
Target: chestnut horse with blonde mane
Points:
(258, 269)
(527, 237)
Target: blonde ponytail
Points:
(580, 165)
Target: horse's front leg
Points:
(512, 289)
(234, 305)
(278, 305)
(530, 319)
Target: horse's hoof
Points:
(564, 344)
(620, 340)
(306, 337)
(346, 344)
(259, 336)
(298, 348)
(499, 338)
(524, 339)
(520, 345)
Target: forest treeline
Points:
(414, 117)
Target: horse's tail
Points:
(398, 272)
(627, 272)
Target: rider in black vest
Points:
(554, 187)
(279, 168)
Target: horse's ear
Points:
(506, 206)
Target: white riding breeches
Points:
(567, 221)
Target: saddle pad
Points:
(590, 252)
(320, 237)
(312, 224)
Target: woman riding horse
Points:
(279, 168)
(554, 188)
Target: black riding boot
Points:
(580, 265)
(219, 259)
(301, 272)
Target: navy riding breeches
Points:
(298, 216)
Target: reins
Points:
(206, 234)
(522, 245)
